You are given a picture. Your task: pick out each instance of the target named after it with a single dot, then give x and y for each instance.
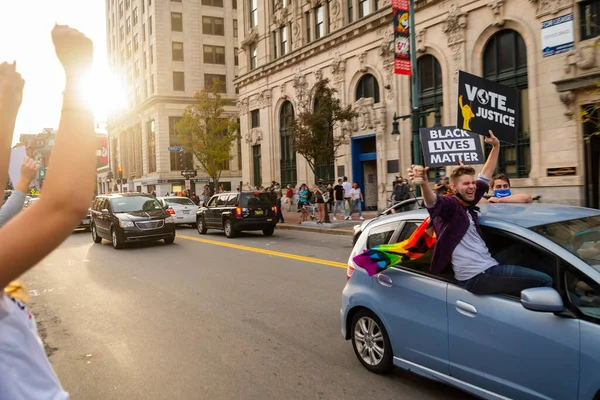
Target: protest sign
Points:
(484, 105)
(448, 145)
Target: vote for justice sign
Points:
(485, 105)
(448, 145)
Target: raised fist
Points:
(74, 50)
(11, 89)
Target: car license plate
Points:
(186, 211)
(269, 219)
(258, 212)
(86, 222)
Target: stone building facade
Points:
(164, 52)
(351, 43)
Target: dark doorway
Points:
(591, 152)
(256, 165)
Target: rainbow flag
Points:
(384, 256)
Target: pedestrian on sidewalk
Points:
(357, 199)
(289, 195)
(320, 195)
(67, 194)
(330, 202)
(347, 199)
(338, 197)
(278, 196)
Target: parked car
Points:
(413, 203)
(130, 217)
(86, 222)
(182, 209)
(235, 212)
(545, 344)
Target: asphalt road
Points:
(200, 319)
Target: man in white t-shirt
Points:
(347, 196)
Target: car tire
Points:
(371, 342)
(169, 240)
(117, 244)
(269, 231)
(201, 226)
(229, 229)
(95, 237)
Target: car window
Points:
(222, 200)
(181, 201)
(381, 234)
(232, 200)
(256, 200)
(134, 203)
(407, 230)
(583, 293)
(213, 201)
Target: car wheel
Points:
(371, 343)
(115, 239)
(228, 228)
(170, 240)
(269, 231)
(95, 237)
(201, 226)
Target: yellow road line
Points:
(268, 252)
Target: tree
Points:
(313, 130)
(207, 132)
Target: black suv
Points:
(130, 217)
(235, 212)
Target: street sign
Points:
(188, 184)
(189, 174)
(176, 148)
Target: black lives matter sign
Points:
(485, 105)
(448, 145)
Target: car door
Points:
(498, 345)
(209, 213)
(413, 303)
(103, 221)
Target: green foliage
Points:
(313, 129)
(205, 131)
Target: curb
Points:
(339, 232)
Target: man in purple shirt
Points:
(459, 238)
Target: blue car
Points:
(543, 345)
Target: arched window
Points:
(505, 61)
(288, 155)
(367, 87)
(431, 93)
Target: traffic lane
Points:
(309, 244)
(155, 322)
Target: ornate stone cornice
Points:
(548, 7)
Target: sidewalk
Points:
(339, 227)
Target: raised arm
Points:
(69, 186)
(492, 160)
(15, 202)
(513, 198)
(428, 195)
(11, 94)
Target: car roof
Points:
(117, 195)
(524, 215)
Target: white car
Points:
(182, 209)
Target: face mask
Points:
(501, 193)
(442, 173)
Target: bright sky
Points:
(25, 27)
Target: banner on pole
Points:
(401, 37)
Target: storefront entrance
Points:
(364, 168)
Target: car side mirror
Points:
(542, 299)
(105, 211)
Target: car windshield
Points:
(180, 201)
(134, 203)
(579, 236)
(256, 200)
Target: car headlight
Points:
(126, 224)
(169, 220)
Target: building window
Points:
(150, 25)
(143, 6)
(274, 38)
(350, 11)
(176, 1)
(120, 9)
(213, 26)
(214, 54)
(254, 118)
(151, 55)
(152, 84)
(236, 60)
(505, 61)
(214, 3)
(129, 50)
(143, 32)
(136, 43)
(589, 15)
(176, 156)
(135, 16)
(121, 33)
(178, 81)
(363, 8)
(253, 56)
(307, 19)
(288, 154)
(283, 33)
(127, 4)
(235, 28)
(176, 22)
(253, 6)
(319, 23)
(177, 50)
(128, 25)
(151, 140)
(211, 80)
(234, 4)
(367, 87)
(136, 68)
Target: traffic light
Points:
(120, 173)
